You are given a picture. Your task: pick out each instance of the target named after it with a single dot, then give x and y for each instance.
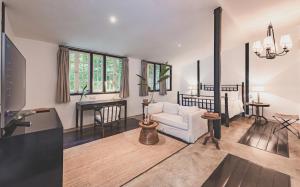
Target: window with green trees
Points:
(153, 73)
(79, 65)
(97, 72)
(113, 74)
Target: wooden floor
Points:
(114, 160)
(234, 172)
(261, 136)
(194, 164)
(76, 137)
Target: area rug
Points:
(262, 137)
(234, 172)
(114, 160)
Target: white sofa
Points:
(183, 122)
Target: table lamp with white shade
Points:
(192, 88)
(258, 90)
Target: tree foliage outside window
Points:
(113, 74)
(153, 75)
(79, 71)
(86, 69)
(98, 73)
(150, 73)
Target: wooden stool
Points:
(211, 130)
(148, 134)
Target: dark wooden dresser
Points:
(33, 156)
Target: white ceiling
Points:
(146, 29)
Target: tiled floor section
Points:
(262, 136)
(234, 171)
(195, 163)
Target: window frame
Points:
(91, 76)
(155, 81)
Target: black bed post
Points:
(178, 101)
(198, 78)
(217, 69)
(226, 111)
(243, 96)
(3, 18)
(247, 76)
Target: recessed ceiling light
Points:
(113, 19)
(179, 45)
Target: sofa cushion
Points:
(171, 120)
(170, 108)
(184, 112)
(155, 108)
(187, 109)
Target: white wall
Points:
(280, 77)
(41, 76)
(41, 83)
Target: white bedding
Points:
(235, 106)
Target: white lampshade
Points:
(192, 87)
(258, 89)
(268, 43)
(286, 41)
(257, 47)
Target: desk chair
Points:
(107, 116)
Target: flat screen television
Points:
(13, 81)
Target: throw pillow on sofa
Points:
(155, 108)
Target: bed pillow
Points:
(233, 95)
(155, 108)
(206, 93)
(170, 108)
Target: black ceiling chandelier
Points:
(270, 46)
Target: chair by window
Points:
(107, 116)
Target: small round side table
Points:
(259, 114)
(148, 134)
(211, 130)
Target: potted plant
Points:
(162, 76)
(143, 82)
(84, 92)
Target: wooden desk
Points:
(257, 115)
(91, 105)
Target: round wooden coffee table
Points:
(148, 135)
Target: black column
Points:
(217, 69)
(2, 31)
(3, 18)
(198, 78)
(247, 75)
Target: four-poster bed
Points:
(232, 100)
